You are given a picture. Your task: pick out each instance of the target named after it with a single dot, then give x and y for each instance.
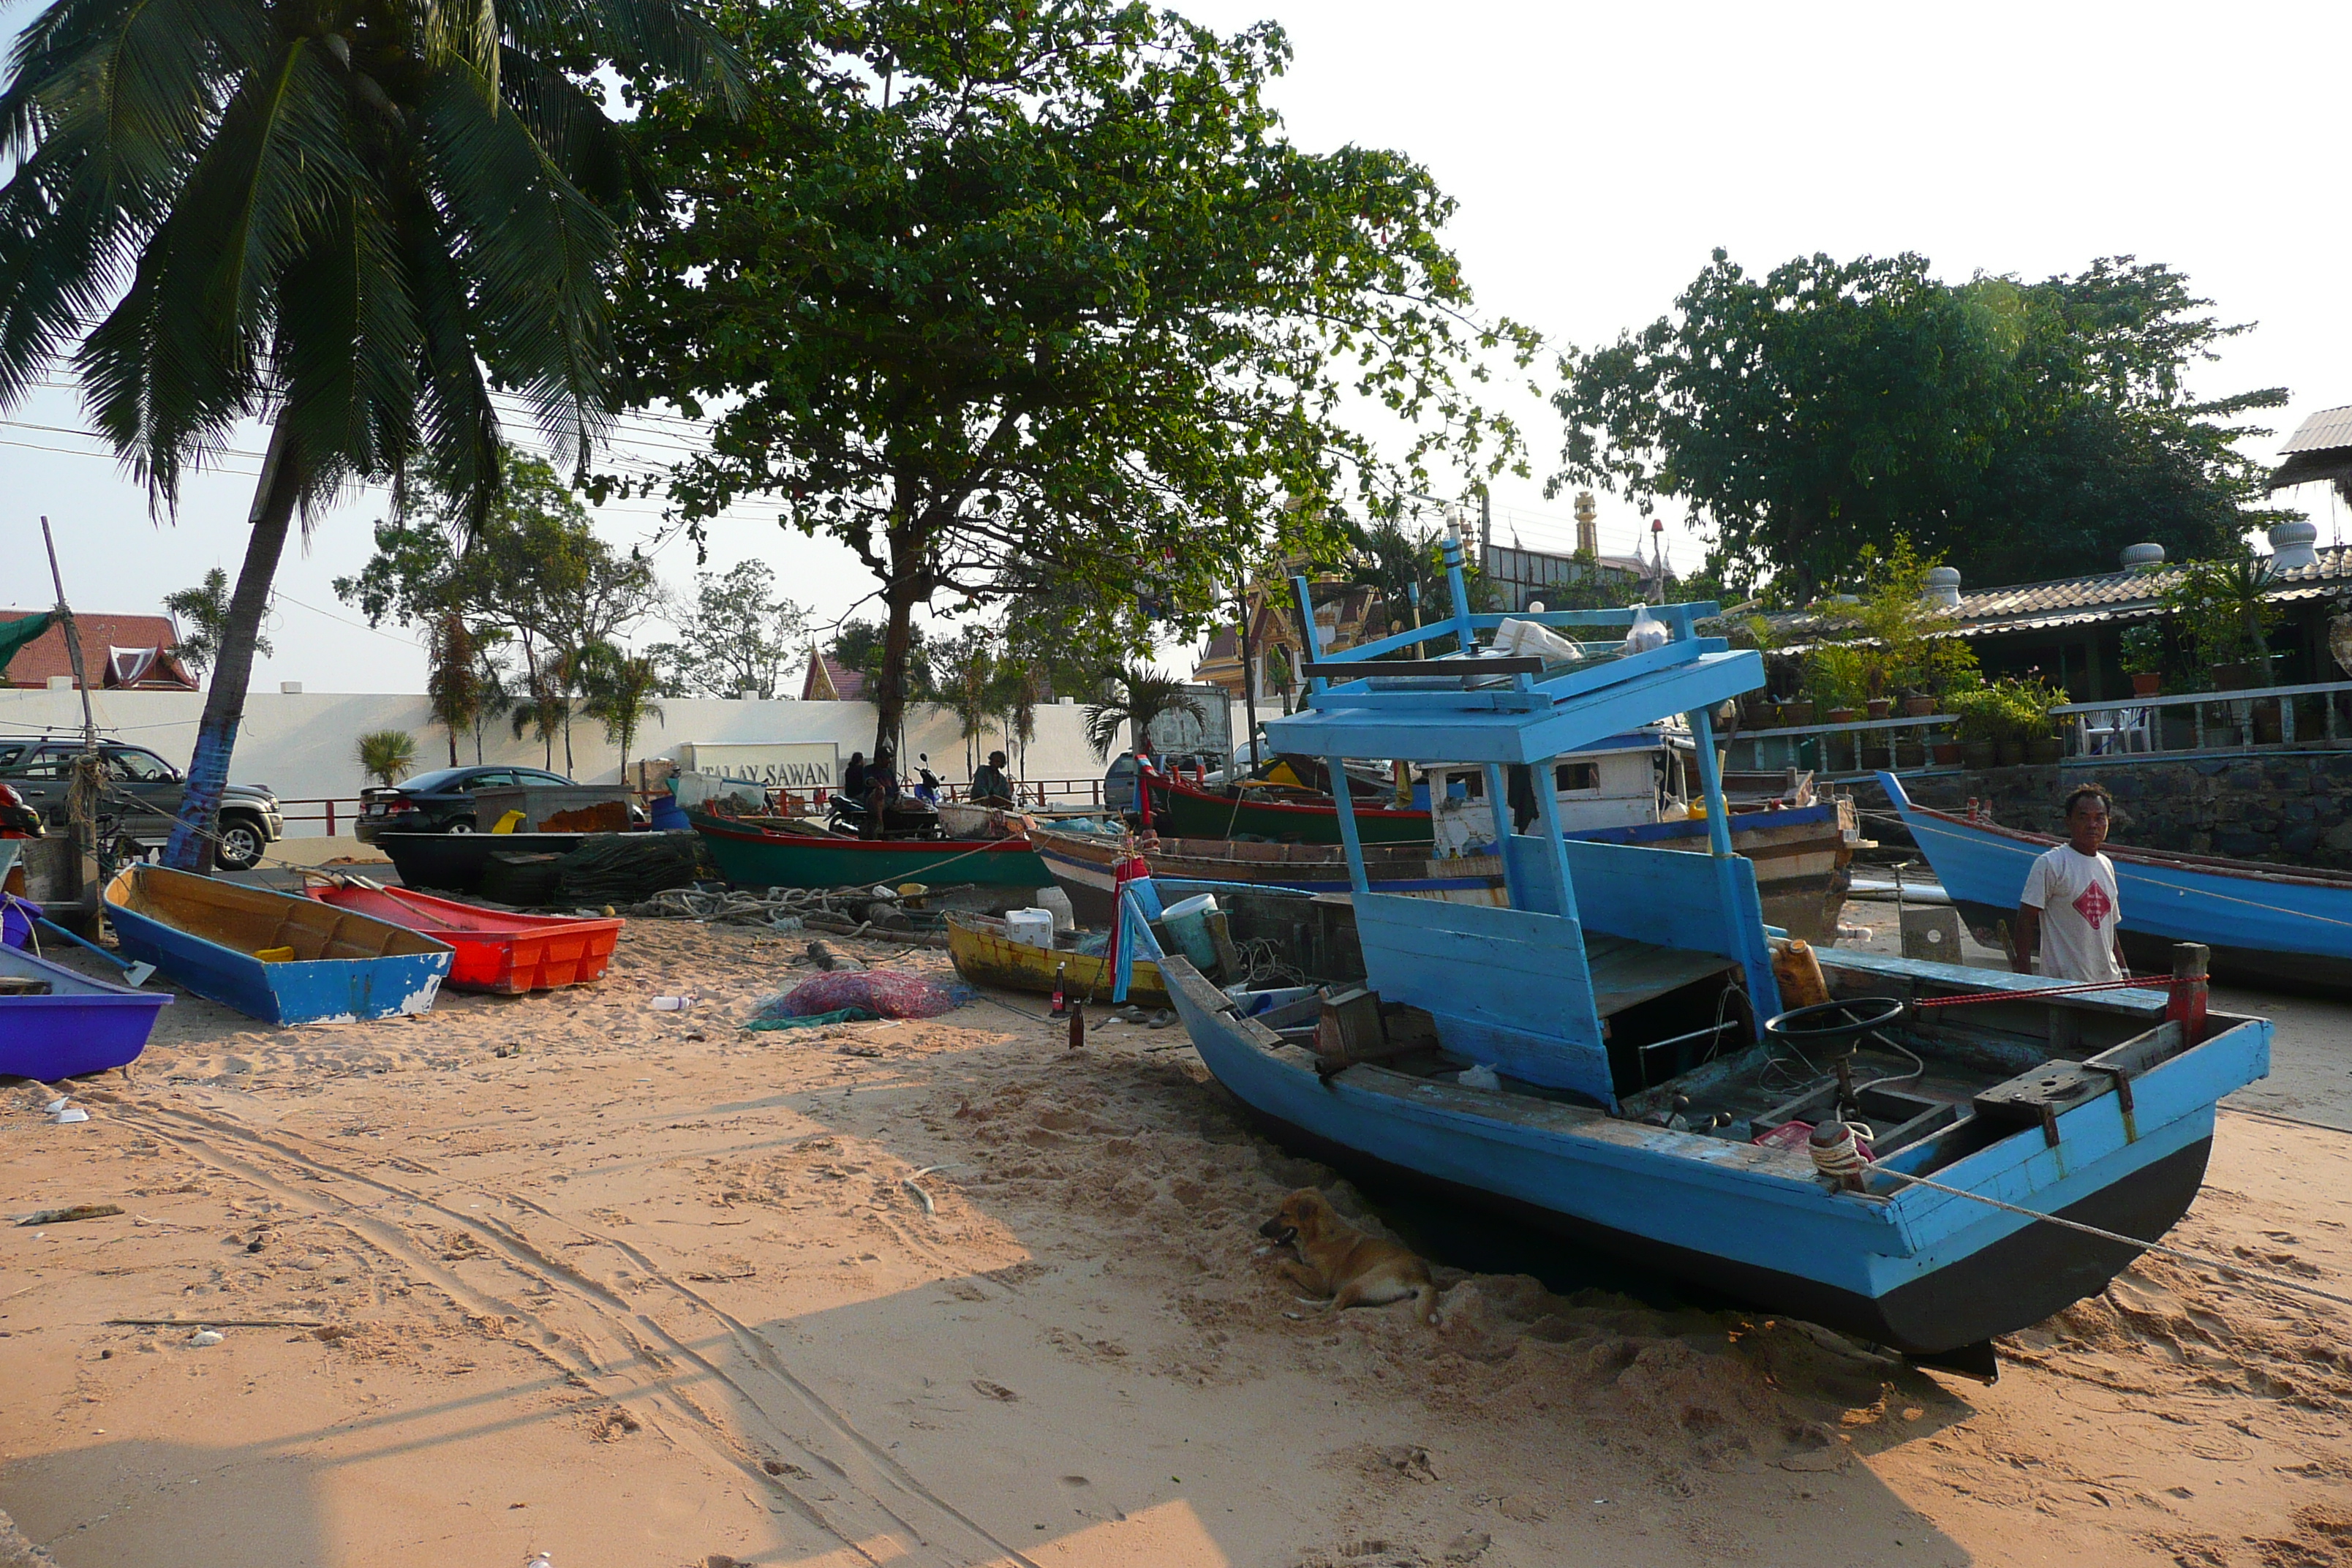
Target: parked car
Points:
(142, 798)
(443, 800)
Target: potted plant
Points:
(2225, 608)
(1880, 707)
(1797, 712)
(1918, 705)
(2143, 648)
(1837, 675)
(2030, 701)
(1979, 718)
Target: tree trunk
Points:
(890, 702)
(191, 844)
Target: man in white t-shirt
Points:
(2069, 912)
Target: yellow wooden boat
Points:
(985, 954)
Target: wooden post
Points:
(2190, 959)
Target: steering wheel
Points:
(1832, 1028)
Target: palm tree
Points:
(348, 218)
(1145, 695)
(385, 754)
(619, 689)
(205, 608)
(453, 679)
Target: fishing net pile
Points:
(881, 993)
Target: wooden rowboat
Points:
(57, 1023)
(985, 954)
(1179, 808)
(774, 853)
(497, 951)
(212, 936)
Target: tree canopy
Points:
(2020, 431)
(738, 634)
(995, 292)
(531, 567)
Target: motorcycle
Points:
(903, 817)
(927, 784)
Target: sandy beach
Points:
(634, 1289)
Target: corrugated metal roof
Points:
(2111, 596)
(2329, 427)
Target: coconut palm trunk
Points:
(190, 845)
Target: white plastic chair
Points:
(2125, 729)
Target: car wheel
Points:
(240, 845)
(459, 826)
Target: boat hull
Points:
(497, 952)
(83, 1025)
(203, 934)
(753, 857)
(986, 958)
(1179, 809)
(1082, 866)
(2274, 926)
(456, 860)
(1919, 1271)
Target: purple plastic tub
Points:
(82, 1026)
(17, 916)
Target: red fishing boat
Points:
(498, 951)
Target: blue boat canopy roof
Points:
(1482, 708)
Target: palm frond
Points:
(175, 364)
(531, 247)
(674, 37)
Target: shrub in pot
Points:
(2043, 750)
(1880, 707)
(1980, 754)
(1947, 753)
(1797, 712)
(1918, 705)
(1842, 716)
(2143, 649)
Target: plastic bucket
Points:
(1188, 922)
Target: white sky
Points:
(1598, 154)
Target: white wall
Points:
(300, 744)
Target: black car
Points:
(439, 802)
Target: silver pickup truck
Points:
(143, 795)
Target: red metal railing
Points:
(346, 810)
(349, 804)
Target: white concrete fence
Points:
(301, 743)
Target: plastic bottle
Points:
(1799, 973)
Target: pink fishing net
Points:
(881, 992)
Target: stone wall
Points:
(2294, 806)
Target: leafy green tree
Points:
(203, 610)
(620, 688)
(2021, 431)
(385, 754)
(349, 218)
(453, 676)
(1138, 697)
(530, 565)
(858, 645)
(738, 635)
(969, 671)
(994, 293)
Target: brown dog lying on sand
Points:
(1350, 1268)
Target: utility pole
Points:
(73, 641)
(1485, 527)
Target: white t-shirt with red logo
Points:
(2076, 895)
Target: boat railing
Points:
(2262, 717)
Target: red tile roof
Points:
(830, 680)
(47, 655)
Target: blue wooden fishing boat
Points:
(55, 1024)
(274, 957)
(2285, 926)
(1608, 1058)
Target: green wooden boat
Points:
(772, 855)
(1182, 811)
